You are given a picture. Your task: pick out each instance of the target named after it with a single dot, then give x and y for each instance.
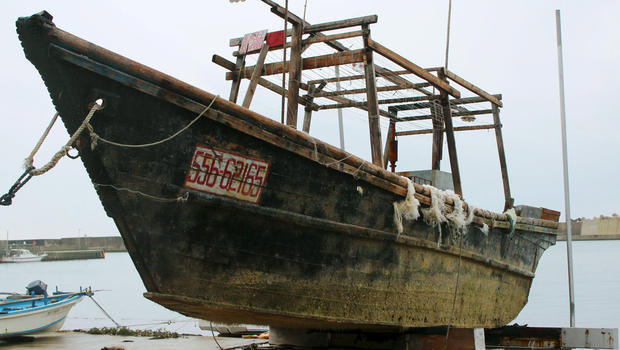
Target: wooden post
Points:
(373, 106)
(309, 105)
(391, 134)
(294, 77)
(502, 157)
(255, 76)
(447, 119)
(236, 81)
(437, 118)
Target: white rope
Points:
(94, 136)
(64, 149)
(29, 160)
(180, 198)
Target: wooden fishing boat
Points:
(36, 312)
(237, 218)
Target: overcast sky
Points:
(503, 47)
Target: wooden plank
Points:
(236, 81)
(324, 38)
(351, 22)
(329, 60)
(373, 107)
(458, 128)
(454, 115)
(413, 68)
(473, 88)
(308, 108)
(294, 76)
(391, 134)
(509, 201)
(221, 61)
(384, 101)
(255, 76)
(437, 148)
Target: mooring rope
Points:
(95, 137)
(101, 308)
(63, 150)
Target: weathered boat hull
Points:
(309, 241)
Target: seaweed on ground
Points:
(124, 331)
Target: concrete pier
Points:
(74, 254)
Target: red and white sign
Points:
(252, 41)
(228, 174)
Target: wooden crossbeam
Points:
(413, 68)
(473, 88)
(454, 114)
(351, 22)
(249, 94)
(358, 77)
(458, 128)
(381, 102)
(307, 63)
(221, 61)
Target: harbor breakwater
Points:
(600, 228)
(71, 248)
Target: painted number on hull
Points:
(224, 173)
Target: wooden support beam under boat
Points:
(458, 128)
(236, 81)
(373, 107)
(222, 62)
(453, 102)
(381, 102)
(294, 76)
(473, 88)
(312, 89)
(249, 94)
(364, 90)
(413, 68)
(463, 113)
(509, 201)
(307, 63)
(447, 120)
(437, 130)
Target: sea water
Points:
(119, 290)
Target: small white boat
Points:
(36, 313)
(21, 255)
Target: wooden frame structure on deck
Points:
(432, 89)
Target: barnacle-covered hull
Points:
(242, 220)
